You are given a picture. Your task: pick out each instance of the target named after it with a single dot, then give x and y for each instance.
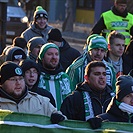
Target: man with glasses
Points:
(14, 95)
(31, 76)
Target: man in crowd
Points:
(117, 19)
(14, 94)
(39, 26)
(91, 97)
(96, 51)
(52, 76)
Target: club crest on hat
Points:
(18, 71)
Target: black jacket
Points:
(67, 54)
(114, 114)
(73, 106)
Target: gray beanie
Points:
(40, 12)
(124, 86)
(34, 42)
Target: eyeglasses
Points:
(16, 79)
(29, 72)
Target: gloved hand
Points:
(56, 118)
(95, 122)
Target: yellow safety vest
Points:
(118, 23)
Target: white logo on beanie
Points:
(18, 71)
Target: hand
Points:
(56, 118)
(95, 122)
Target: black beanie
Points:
(55, 35)
(20, 42)
(34, 42)
(28, 64)
(124, 86)
(9, 69)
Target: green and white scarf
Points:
(88, 106)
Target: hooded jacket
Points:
(73, 105)
(32, 31)
(57, 82)
(114, 114)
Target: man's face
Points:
(51, 59)
(97, 54)
(36, 50)
(15, 86)
(128, 99)
(31, 77)
(41, 22)
(120, 7)
(97, 78)
(117, 48)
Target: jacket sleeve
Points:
(98, 27)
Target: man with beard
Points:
(39, 26)
(117, 19)
(14, 94)
(91, 97)
(52, 76)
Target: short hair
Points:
(93, 64)
(114, 34)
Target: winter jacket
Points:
(73, 105)
(57, 83)
(76, 71)
(32, 31)
(29, 103)
(67, 54)
(114, 114)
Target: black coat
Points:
(114, 114)
(67, 55)
(73, 106)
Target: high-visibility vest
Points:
(119, 24)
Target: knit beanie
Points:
(15, 53)
(45, 47)
(40, 12)
(20, 42)
(28, 64)
(9, 69)
(55, 35)
(121, 1)
(90, 37)
(34, 42)
(124, 86)
(97, 42)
